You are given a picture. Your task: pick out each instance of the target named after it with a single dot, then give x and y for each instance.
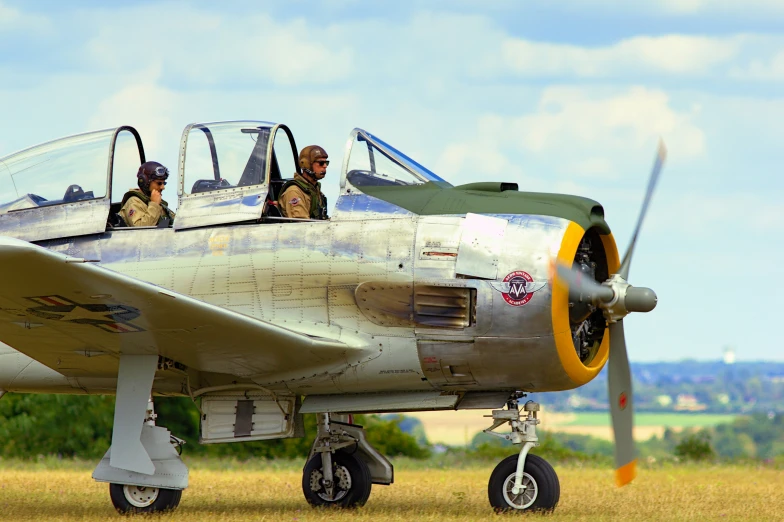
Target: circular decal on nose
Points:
(518, 292)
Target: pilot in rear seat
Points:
(143, 207)
(301, 197)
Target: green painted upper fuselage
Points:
(490, 198)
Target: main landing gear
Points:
(521, 482)
(342, 466)
(143, 465)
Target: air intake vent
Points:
(430, 306)
(443, 306)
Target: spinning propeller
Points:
(617, 298)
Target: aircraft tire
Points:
(352, 481)
(538, 475)
(135, 499)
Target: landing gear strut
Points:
(143, 465)
(521, 482)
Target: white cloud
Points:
(14, 20)
(629, 121)
(720, 6)
(200, 48)
(146, 106)
(577, 141)
(670, 54)
(680, 7)
(761, 69)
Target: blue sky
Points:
(558, 96)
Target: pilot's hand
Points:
(155, 196)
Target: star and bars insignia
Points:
(109, 318)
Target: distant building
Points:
(688, 402)
(663, 400)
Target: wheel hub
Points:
(342, 480)
(140, 496)
(527, 495)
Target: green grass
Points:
(670, 420)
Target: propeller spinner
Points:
(617, 298)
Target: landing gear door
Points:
(224, 173)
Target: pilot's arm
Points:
(294, 204)
(137, 214)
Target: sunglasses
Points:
(323, 163)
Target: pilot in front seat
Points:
(143, 206)
(301, 197)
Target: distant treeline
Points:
(73, 426)
(81, 426)
(697, 386)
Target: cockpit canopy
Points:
(228, 172)
(65, 185)
(227, 169)
(370, 161)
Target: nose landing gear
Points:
(521, 482)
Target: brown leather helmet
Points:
(150, 171)
(310, 154)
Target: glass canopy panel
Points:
(225, 155)
(62, 171)
(373, 162)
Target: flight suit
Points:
(302, 200)
(138, 210)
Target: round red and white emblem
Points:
(518, 293)
(622, 401)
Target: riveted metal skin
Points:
(383, 280)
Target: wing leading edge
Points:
(77, 318)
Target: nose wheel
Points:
(540, 489)
(521, 482)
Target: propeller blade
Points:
(581, 286)
(619, 382)
(661, 155)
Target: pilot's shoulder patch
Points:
(294, 201)
(131, 212)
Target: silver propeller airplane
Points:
(415, 295)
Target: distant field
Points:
(459, 427)
(243, 495)
(672, 420)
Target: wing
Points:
(76, 318)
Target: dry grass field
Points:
(675, 493)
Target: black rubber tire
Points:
(359, 472)
(540, 471)
(168, 500)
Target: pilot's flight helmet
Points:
(310, 154)
(150, 171)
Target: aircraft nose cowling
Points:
(580, 332)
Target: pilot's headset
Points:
(310, 154)
(148, 172)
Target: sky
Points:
(560, 96)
